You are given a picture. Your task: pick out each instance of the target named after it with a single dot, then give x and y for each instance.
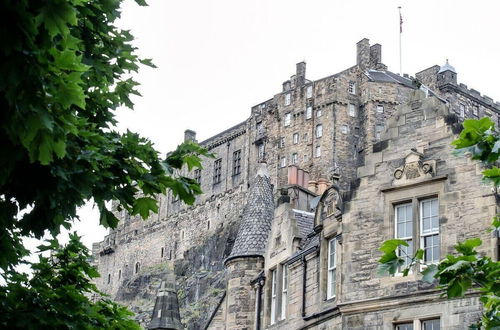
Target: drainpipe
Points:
(259, 305)
(304, 277)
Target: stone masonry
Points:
(340, 154)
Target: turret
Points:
(246, 260)
(447, 74)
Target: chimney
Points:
(375, 55)
(363, 53)
(301, 73)
(189, 135)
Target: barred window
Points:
(352, 87)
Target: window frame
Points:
(273, 296)
(284, 291)
(288, 98)
(318, 131)
(405, 238)
(197, 176)
(261, 151)
(317, 151)
(380, 108)
(351, 87)
(287, 119)
(295, 138)
(237, 162)
(331, 270)
(351, 110)
(217, 178)
(434, 232)
(295, 158)
(309, 91)
(319, 113)
(309, 111)
(283, 162)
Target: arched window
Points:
(137, 267)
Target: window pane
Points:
(404, 326)
(431, 324)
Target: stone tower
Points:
(246, 260)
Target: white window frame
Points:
(309, 91)
(273, 296)
(288, 98)
(288, 119)
(317, 152)
(284, 291)
(408, 239)
(352, 110)
(319, 113)
(319, 130)
(295, 138)
(331, 281)
(422, 323)
(380, 108)
(344, 129)
(295, 158)
(283, 162)
(309, 111)
(433, 231)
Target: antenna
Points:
(400, 47)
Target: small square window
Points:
(380, 108)
(344, 129)
(288, 99)
(319, 113)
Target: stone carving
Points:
(414, 168)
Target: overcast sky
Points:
(216, 59)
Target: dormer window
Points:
(288, 99)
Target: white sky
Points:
(216, 59)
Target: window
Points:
(119, 274)
(352, 110)
(261, 152)
(217, 170)
(462, 110)
(309, 111)
(283, 162)
(137, 267)
(109, 278)
(309, 92)
(404, 231)
(404, 326)
(433, 324)
(237, 162)
(259, 127)
(295, 138)
(295, 158)
(319, 113)
(378, 131)
(197, 176)
(288, 99)
(352, 87)
(273, 296)
(282, 142)
(161, 253)
(319, 131)
(475, 111)
(318, 151)
(380, 108)
(288, 119)
(284, 291)
(429, 230)
(332, 269)
(208, 224)
(344, 129)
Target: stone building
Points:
(298, 200)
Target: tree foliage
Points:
(59, 294)
(64, 70)
(467, 270)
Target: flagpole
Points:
(400, 47)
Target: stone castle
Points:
(297, 202)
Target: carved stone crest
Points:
(414, 168)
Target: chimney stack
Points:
(301, 73)
(363, 53)
(375, 55)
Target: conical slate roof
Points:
(257, 217)
(166, 311)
